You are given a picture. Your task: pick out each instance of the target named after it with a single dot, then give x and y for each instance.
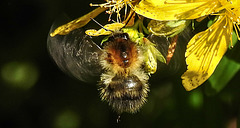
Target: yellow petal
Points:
(107, 30)
(77, 23)
(176, 9)
(93, 32)
(204, 51)
(230, 3)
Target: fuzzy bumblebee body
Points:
(124, 63)
(124, 83)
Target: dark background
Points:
(34, 93)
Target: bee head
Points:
(121, 55)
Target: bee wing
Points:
(162, 43)
(76, 54)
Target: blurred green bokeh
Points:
(196, 99)
(20, 74)
(67, 119)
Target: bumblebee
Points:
(121, 63)
(124, 83)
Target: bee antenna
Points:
(100, 25)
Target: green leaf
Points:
(158, 54)
(234, 38)
(104, 39)
(210, 22)
(224, 72)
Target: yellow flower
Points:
(113, 6)
(205, 49)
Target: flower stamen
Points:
(115, 6)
